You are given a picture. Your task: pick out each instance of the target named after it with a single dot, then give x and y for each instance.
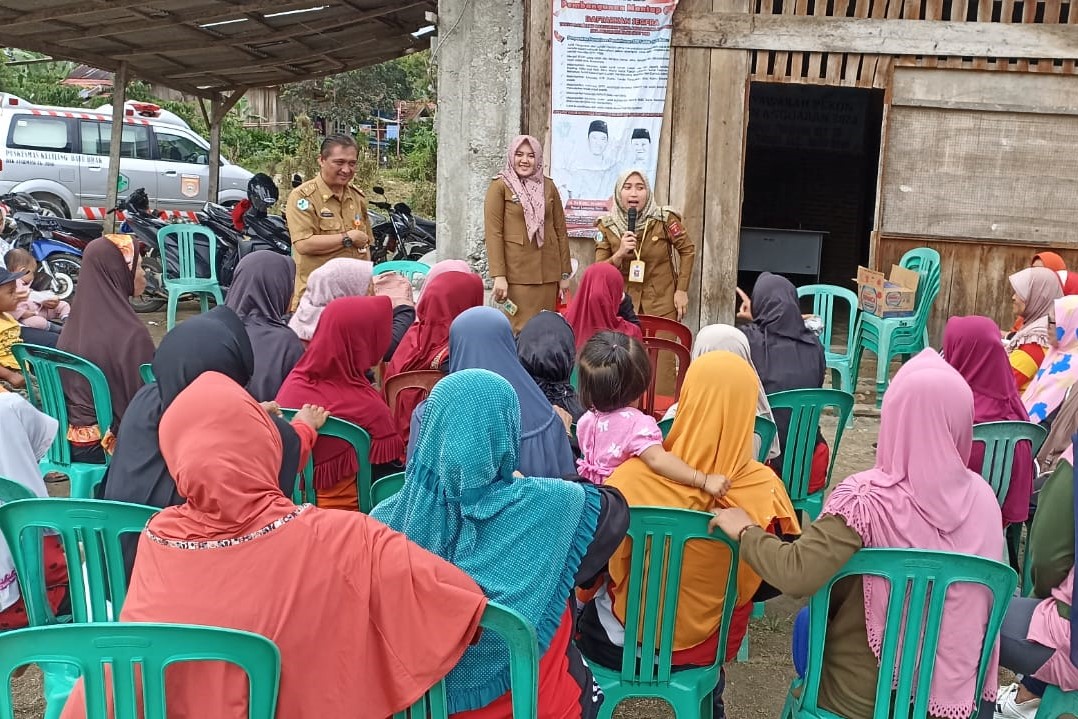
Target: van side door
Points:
(184, 168)
(137, 166)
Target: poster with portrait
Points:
(610, 62)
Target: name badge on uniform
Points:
(326, 213)
(515, 200)
(636, 271)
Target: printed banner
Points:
(610, 62)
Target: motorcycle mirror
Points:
(297, 179)
(379, 190)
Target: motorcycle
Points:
(144, 225)
(399, 236)
(265, 231)
(56, 244)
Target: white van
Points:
(60, 155)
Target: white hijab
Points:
(27, 434)
(728, 338)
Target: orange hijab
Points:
(713, 432)
(383, 604)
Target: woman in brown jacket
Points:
(645, 255)
(527, 244)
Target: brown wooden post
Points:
(119, 95)
(219, 107)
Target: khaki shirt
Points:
(658, 242)
(510, 252)
(313, 209)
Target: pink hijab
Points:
(529, 190)
(921, 495)
(340, 277)
(440, 268)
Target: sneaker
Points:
(1008, 708)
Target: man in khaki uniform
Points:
(327, 216)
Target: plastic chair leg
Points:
(170, 313)
(743, 650)
(203, 302)
(217, 296)
(883, 368)
(59, 681)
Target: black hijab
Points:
(547, 349)
(212, 342)
(261, 290)
(787, 354)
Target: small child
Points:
(10, 332)
(614, 373)
(38, 310)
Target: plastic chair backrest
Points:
(11, 491)
(386, 487)
(651, 325)
(655, 346)
(137, 655)
(90, 531)
(304, 491)
(423, 380)
(798, 446)
(926, 262)
(999, 440)
(186, 238)
(409, 269)
(523, 668)
(765, 429)
(145, 371)
(824, 301)
(659, 536)
(44, 364)
(923, 578)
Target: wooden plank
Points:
(984, 14)
(834, 59)
(782, 59)
(986, 90)
(1052, 9)
(1072, 19)
(726, 120)
(815, 59)
(797, 59)
(538, 26)
(874, 36)
(1029, 11)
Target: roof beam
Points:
(336, 25)
(65, 12)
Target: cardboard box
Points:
(895, 296)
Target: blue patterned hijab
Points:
(521, 539)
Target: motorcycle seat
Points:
(81, 227)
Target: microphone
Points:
(632, 219)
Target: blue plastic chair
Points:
(826, 303)
(519, 636)
(659, 536)
(41, 366)
(919, 580)
(184, 278)
(90, 648)
(412, 270)
(899, 336)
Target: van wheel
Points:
(52, 206)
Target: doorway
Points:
(811, 166)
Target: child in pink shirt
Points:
(614, 372)
(37, 310)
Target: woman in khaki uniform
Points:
(527, 243)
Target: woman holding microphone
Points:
(527, 243)
(640, 238)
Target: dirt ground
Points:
(756, 688)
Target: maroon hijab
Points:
(972, 346)
(104, 329)
(352, 336)
(595, 306)
(426, 343)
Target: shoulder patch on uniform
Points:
(676, 229)
(599, 237)
(307, 188)
(303, 204)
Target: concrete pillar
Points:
(479, 54)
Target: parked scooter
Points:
(399, 237)
(57, 245)
(266, 231)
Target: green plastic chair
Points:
(90, 531)
(150, 647)
(899, 336)
(13, 491)
(999, 440)
(798, 446)
(523, 668)
(659, 536)
(923, 577)
(145, 372)
(1057, 702)
(765, 429)
(410, 269)
(41, 367)
(184, 278)
(386, 487)
(304, 491)
(824, 301)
